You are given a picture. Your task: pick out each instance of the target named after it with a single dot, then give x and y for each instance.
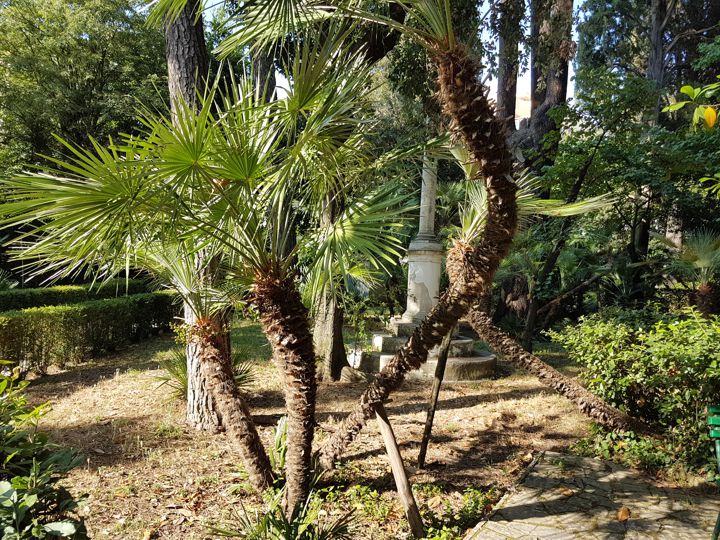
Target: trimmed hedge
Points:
(40, 336)
(14, 299)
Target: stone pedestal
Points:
(424, 269)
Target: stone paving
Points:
(569, 497)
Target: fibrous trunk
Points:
(210, 338)
(588, 403)
(200, 408)
(471, 268)
(285, 322)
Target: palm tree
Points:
(235, 180)
(463, 98)
(698, 261)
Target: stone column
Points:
(424, 257)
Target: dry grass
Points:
(149, 476)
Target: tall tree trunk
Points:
(212, 344)
(285, 322)
(509, 34)
(538, 14)
(555, 49)
(588, 403)
(187, 56)
(471, 269)
(188, 63)
(328, 339)
(656, 57)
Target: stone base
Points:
(389, 343)
(457, 369)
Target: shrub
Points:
(41, 336)
(14, 299)
(662, 368)
(32, 505)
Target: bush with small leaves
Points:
(41, 336)
(661, 367)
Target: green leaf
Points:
(60, 528)
(675, 106)
(689, 91)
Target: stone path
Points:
(569, 497)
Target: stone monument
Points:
(424, 259)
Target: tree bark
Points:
(328, 339)
(285, 322)
(588, 403)
(187, 56)
(509, 34)
(212, 343)
(471, 268)
(200, 408)
(188, 64)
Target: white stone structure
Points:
(424, 259)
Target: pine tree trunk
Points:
(187, 56)
(509, 35)
(285, 322)
(588, 403)
(188, 65)
(211, 341)
(471, 269)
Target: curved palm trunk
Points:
(471, 269)
(286, 324)
(588, 403)
(213, 350)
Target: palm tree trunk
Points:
(588, 403)
(471, 269)
(212, 344)
(286, 324)
(200, 410)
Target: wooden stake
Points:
(404, 490)
(434, 395)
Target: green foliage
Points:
(38, 337)
(14, 299)
(452, 523)
(176, 376)
(368, 501)
(75, 69)
(307, 522)
(32, 505)
(662, 368)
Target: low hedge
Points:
(68, 294)
(38, 337)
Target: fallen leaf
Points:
(567, 492)
(527, 458)
(623, 514)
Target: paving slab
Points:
(571, 497)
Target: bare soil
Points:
(147, 475)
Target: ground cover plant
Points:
(32, 502)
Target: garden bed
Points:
(149, 476)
